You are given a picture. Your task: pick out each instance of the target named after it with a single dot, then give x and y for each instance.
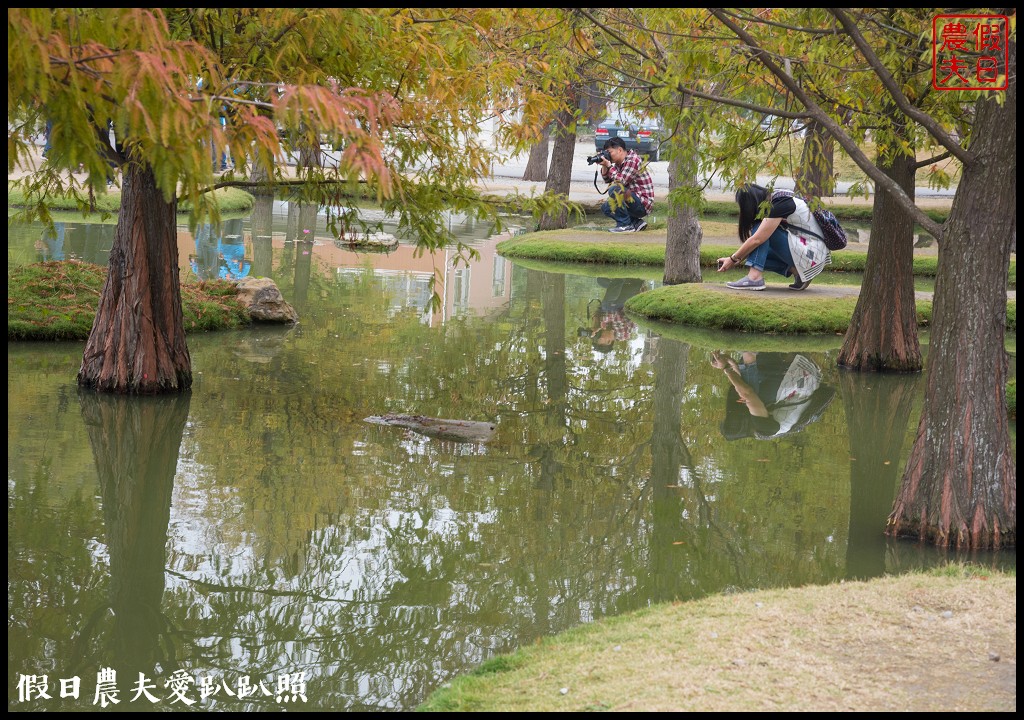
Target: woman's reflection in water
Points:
(771, 394)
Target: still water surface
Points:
(258, 527)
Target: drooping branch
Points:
(814, 110)
(786, 26)
(921, 118)
(611, 33)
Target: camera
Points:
(603, 155)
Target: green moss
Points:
(698, 306)
(229, 200)
(564, 246)
(576, 246)
(715, 338)
(58, 301)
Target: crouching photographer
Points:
(631, 191)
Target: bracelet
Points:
(734, 260)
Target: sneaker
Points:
(747, 284)
(623, 228)
(640, 225)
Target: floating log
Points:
(467, 431)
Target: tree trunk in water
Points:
(883, 330)
(560, 175)
(537, 164)
(959, 488)
(262, 223)
(815, 177)
(291, 227)
(877, 417)
(137, 342)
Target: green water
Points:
(258, 527)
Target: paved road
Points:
(506, 177)
(510, 173)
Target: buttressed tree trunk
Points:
(883, 330)
(959, 487)
(137, 342)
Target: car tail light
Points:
(643, 134)
(601, 131)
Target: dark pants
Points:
(624, 212)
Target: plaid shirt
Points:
(634, 177)
(619, 324)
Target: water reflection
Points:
(220, 253)
(771, 394)
(878, 408)
(266, 529)
(609, 323)
(52, 246)
(135, 444)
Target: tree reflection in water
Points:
(296, 537)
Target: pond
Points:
(256, 542)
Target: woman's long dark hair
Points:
(749, 198)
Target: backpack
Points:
(833, 234)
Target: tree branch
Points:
(882, 181)
(921, 118)
(608, 31)
(934, 159)
(795, 28)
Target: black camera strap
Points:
(599, 190)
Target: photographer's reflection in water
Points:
(610, 323)
(771, 394)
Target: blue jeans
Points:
(623, 212)
(773, 254)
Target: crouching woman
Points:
(786, 240)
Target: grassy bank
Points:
(700, 306)
(842, 210)
(588, 246)
(229, 200)
(58, 300)
(944, 641)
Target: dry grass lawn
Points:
(922, 643)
